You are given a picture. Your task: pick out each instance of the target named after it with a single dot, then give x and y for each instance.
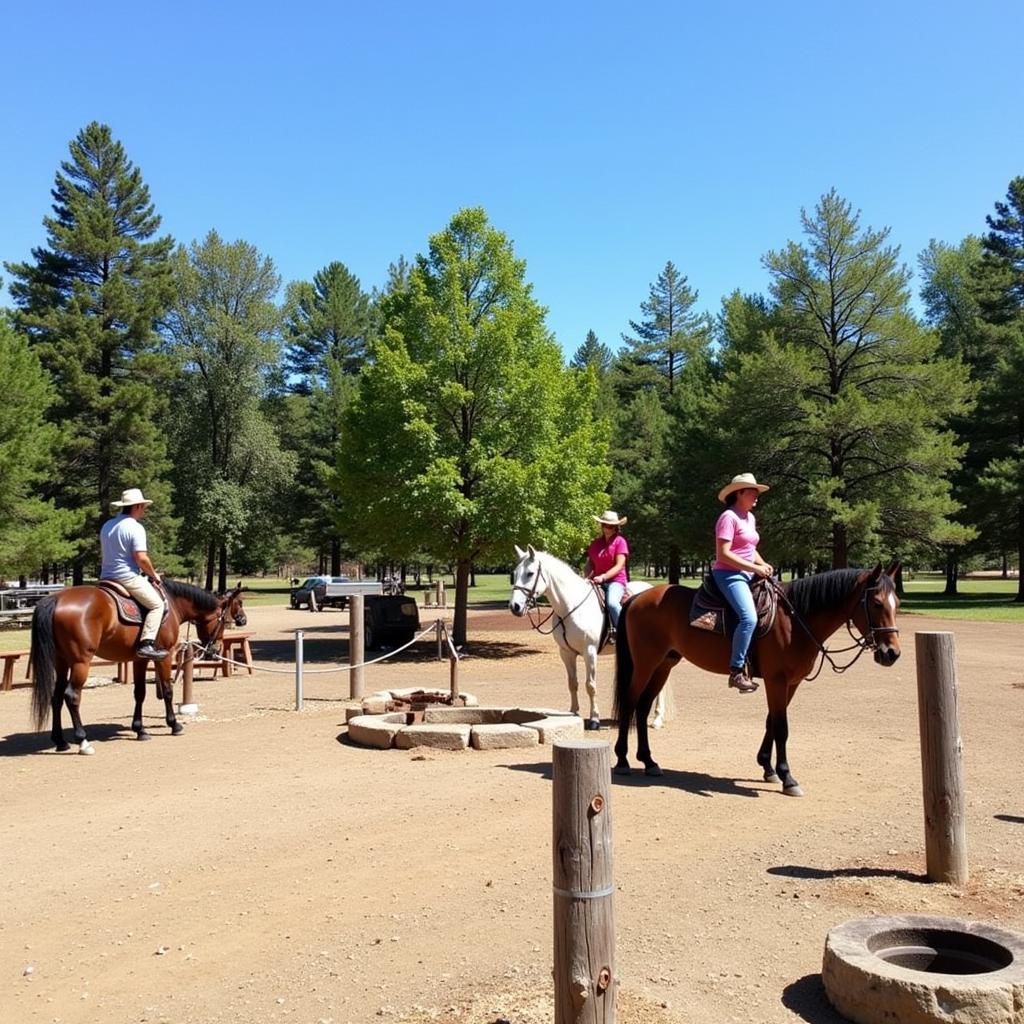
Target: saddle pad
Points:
(128, 610)
(709, 610)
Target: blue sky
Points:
(603, 139)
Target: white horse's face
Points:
(528, 581)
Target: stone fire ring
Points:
(916, 969)
(448, 728)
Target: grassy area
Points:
(985, 598)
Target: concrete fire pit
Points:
(916, 969)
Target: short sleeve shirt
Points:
(602, 556)
(741, 530)
(120, 538)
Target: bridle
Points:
(860, 643)
(531, 606)
(221, 623)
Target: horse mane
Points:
(827, 589)
(202, 599)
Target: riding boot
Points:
(147, 649)
(741, 681)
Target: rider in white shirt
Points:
(126, 561)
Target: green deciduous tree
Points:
(89, 302)
(230, 469)
(467, 433)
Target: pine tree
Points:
(592, 354)
(89, 303)
(999, 291)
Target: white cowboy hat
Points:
(740, 483)
(133, 496)
(610, 518)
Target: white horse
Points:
(576, 620)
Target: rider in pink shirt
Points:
(607, 557)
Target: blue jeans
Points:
(613, 599)
(735, 587)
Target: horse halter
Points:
(870, 643)
(530, 592)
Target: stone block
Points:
(502, 736)
(441, 737)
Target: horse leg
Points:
(590, 661)
(764, 754)
(165, 684)
(779, 696)
(73, 698)
(622, 743)
(569, 661)
(56, 704)
(643, 710)
(139, 678)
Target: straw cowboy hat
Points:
(740, 483)
(610, 518)
(133, 496)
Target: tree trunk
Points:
(222, 574)
(899, 582)
(462, 571)
(951, 573)
(673, 563)
(335, 556)
(1020, 554)
(77, 572)
(211, 555)
(840, 550)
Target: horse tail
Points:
(44, 656)
(623, 669)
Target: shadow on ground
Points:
(334, 649)
(18, 744)
(802, 871)
(808, 1000)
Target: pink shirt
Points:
(602, 556)
(741, 530)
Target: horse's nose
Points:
(887, 655)
(514, 608)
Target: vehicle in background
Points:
(318, 587)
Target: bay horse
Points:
(655, 635)
(577, 619)
(72, 627)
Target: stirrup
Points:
(147, 649)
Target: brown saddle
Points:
(128, 610)
(709, 609)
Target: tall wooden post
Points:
(355, 645)
(945, 830)
(188, 704)
(584, 921)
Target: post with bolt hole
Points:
(945, 830)
(584, 919)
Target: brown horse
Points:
(72, 627)
(655, 635)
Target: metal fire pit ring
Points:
(916, 969)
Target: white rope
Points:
(340, 667)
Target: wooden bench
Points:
(10, 658)
(235, 646)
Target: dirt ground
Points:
(260, 868)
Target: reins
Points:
(860, 643)
(531, 606)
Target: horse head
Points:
(528, 581)
(875, 615)
(211, 624)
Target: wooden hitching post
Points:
(584, 920)
(945, 830)
(355, 645)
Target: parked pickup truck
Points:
(389, 620)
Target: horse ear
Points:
(520, 553)
(893, 569)
(875, 573)
(530, 549)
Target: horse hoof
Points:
(592, 724)
(622, 769)
(177, 729)
(771, 777)
(141, 735)
(793, 790)
(62, 748)
(86, 748)
(658, 723)
(654, 770)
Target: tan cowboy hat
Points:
(740, 483)
(133, 496)
(610, 518)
